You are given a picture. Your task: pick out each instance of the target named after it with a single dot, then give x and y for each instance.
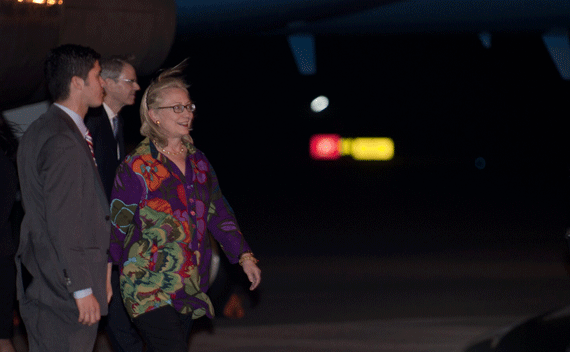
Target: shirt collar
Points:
(109, 112)
(75, 117)
(153, 149)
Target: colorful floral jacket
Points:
(160, 220)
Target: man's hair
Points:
(65, 62)
(112, 67)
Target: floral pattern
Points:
(161, 220)
(152, 171)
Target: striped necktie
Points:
(89, 140)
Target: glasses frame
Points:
(129, 81)
(179, 109)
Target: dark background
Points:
(446, 100)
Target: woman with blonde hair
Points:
(165, 199)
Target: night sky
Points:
(445, 100)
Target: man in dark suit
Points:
(106, 127)
(105, 123)
(65, 231)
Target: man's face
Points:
(122, 91)
(93, 90)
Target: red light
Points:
(325, 146)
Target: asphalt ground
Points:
(431, 302)
(421, 259)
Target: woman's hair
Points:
(8, 140)
(153, 97)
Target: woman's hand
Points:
(253, 273)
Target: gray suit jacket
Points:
(66, 227)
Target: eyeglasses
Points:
(129, 81)
(179, 108)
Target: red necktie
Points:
(89, 140)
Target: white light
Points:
(319, 103)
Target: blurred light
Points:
(320, 103)
(485, 38)
(372, 148)
(43, 2)
(558, 46)
(303, 49)
(480, 163)
(345, 146)
(325, 146)
(332, 146)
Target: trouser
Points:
(7, 295)
(164, 329)
(55, 329)
(122, 333)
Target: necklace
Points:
(167, 152)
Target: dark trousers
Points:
(55, 329)
(7, 296)
(164, 329)
(122, 333)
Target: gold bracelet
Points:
(248, 257)
(246, 254)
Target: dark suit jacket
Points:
(105, 145)
(64, 239)
(8, 191)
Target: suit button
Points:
(107, 217)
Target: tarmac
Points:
(438, 302)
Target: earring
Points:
(157, 122)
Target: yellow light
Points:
(345, 146)
(38, 1)
(372, 148)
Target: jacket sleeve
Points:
(222, 222)
(128, 190)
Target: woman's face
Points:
(173, 124)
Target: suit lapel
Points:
(81, 141)
(76, 132)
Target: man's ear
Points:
(77, 83)
(106, 82)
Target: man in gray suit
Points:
(66, 228)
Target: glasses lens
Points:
(178, 108)
(190, 107)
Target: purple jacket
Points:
(161, 219)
